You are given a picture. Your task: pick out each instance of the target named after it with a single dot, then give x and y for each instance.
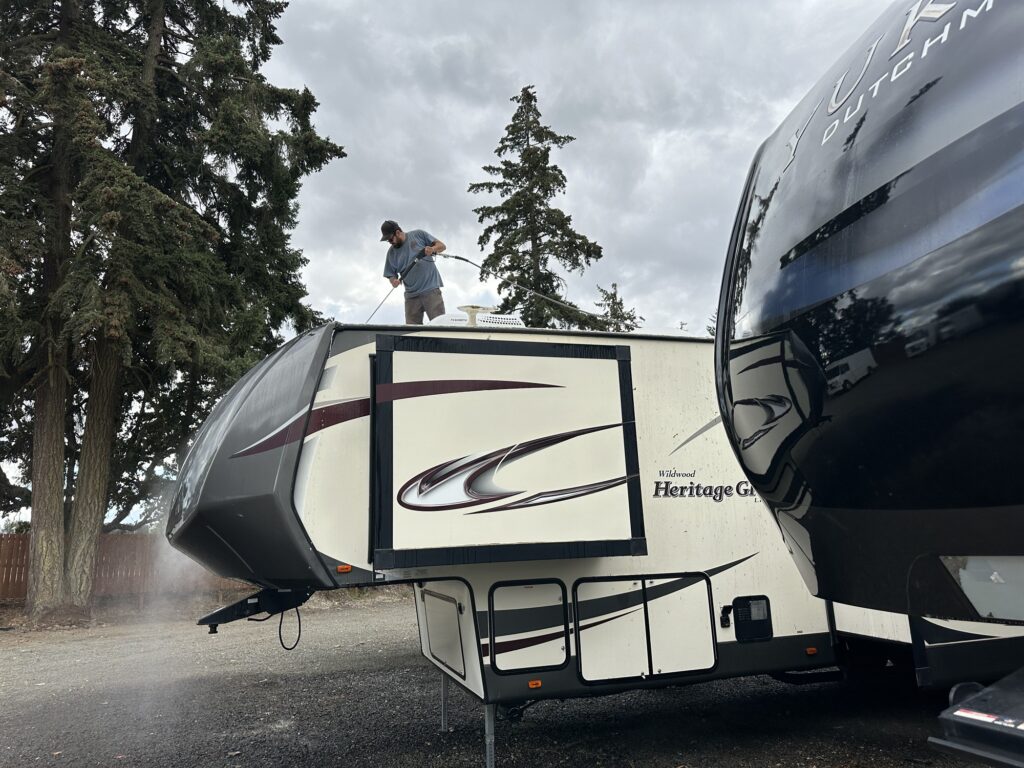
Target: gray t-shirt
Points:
(417, 279)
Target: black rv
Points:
(886, 214)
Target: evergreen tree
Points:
(145, 210)
(525, 232)
(614, 313)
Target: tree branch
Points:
(12, 497)
(19, 42)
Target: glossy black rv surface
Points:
(872, 310)
(233, 509)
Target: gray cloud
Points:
(668, 102)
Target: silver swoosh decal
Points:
(469, 480)
(710, 425)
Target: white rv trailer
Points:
(843, 374)
(565, 505)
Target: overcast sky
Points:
(668, 102)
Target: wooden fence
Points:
(13, 566)
(135, 564)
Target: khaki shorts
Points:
(430, 302)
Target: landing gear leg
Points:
(489, 710)
(444, 703)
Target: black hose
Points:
(522, 287)
(493, 274)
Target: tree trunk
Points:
(533, 309)
(46, 550)
(46, 593)
(103, 410)
(92, 488)
(145, 112)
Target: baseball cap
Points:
(388, 229)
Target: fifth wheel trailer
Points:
(565, 506)
(885, 216)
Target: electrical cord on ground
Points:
(280, 627)
(513, 714)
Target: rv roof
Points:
(666, 336)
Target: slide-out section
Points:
(489, 451)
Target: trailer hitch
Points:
(269, 601)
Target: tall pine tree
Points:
(525, 233)
(148, 177)
(614, 313)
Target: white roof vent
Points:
(477, 315)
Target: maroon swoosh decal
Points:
(336, 413)
(329, 415)
(597, 605)
(288, 433)
(528, 642)
(389, 392)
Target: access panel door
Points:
(644, 626)
(681, 624)
(529, 626)
(611, 631)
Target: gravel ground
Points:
(157, 691)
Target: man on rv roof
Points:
(410, 261)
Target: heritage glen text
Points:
(668, 489)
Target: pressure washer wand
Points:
(401, 279)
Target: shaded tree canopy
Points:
(148, 178)
(524, 232)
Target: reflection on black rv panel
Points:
(872, 317)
